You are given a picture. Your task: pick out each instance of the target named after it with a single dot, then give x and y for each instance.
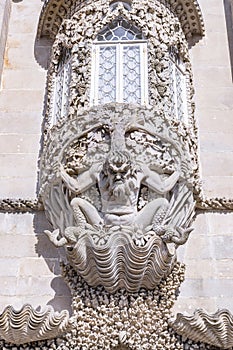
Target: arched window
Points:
(119, 70)
(62, 88)
(178, 94)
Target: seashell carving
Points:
(27, 325)
(214, 329)
(120, 262)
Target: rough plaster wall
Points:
(208, 254)
(29, 268)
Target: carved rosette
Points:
(117, 188)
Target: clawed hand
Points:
(53, 237)
(178, 235)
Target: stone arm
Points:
(154, 181)
(82, 182)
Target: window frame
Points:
(63, 73)
(119, 45)
(177, 65)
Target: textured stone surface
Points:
(213, 96)
(23, 82)
(29, 264)
(208, 258)
(215, 329)
(27, 254)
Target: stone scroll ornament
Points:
(120, 198)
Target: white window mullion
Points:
(119, 74)
(95, 75)
(175, 91)
(144, 73)
(184, 93)
(63, 91)
(119, 66)
(54, 105)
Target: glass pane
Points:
(62, 87)
(172, 90)
(179, 93)
(131, 74)
(58, 95)
(120, 29)
(107, 74)
(66, 88)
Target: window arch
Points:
(119, 70)
(61, 90)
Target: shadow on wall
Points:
(42, 51)
(228, 7)
(52, 256)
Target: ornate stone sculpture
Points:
(27, 325)
(214, 329)
(117, 184)
(124, 190)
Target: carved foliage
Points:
(54, 11)
(160, 27)
(116, 187)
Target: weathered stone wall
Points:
(214, 101)
(21, 104)
(208, 252)
(29, 269)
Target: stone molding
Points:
(217, 204)
(9, 205)
(55, 11)
(215, 329)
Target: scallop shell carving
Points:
(121, 262)
(27, 325)
(214, 329)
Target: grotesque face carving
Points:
(118, 172)
(117, 167)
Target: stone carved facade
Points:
(27, 324)
(118, 184)
(215, 329)
(132, 172)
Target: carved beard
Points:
(123, 190)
